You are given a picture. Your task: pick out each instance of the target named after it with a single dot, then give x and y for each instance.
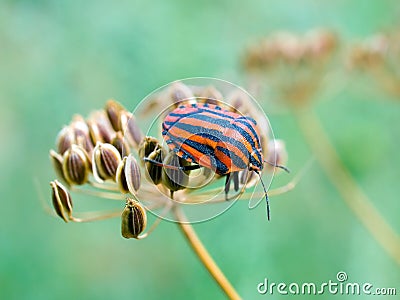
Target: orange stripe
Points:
(192, 121)
(227, 161)
(201, 158)
(197, 154)
(193, 137)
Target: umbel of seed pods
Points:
(97, 151)
(100, 152)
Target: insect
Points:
(208, 136)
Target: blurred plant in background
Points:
(377, 57)
(290, 65)
(293, 67)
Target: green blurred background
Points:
(58, 58)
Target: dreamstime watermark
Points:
(340, 286)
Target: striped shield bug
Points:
(207, 135)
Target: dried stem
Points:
(203, 254)
(353, 196)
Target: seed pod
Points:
(65, 139)
(113, 110)
(175, 179)
(61, 199)
(106, 159)
(211, 95)
(120, 144)
(132, 174)
(120, 177)
(146, 146)
(82, 133)
(57, 162)
(76, 165)
(133, 219)
(179, 92)
(130, 128)
(154, 171)
(100, 127)
(128, 175)
(240, 101)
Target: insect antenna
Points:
(265, 193)
(277, 166)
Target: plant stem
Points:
(203, 254)
(353, 196)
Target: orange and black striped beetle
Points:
(208, 136)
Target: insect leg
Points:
(160, 164)
(227, 185)
(229, 177)
(235, 176)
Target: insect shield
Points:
(204, 139)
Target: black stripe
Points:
(222, 123)
(226, 124)
(214, 135)
(178, 146)
(244, 121)
(187, 153)
(258, 164)
(168, 140)
(204, 149)
(236, 160)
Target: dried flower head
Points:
(370, 53)
(377, 56)
(292, 64)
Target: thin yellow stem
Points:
(95, 216)
(203, 254)
(353, 196)
(100, 194)
(387, 80)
